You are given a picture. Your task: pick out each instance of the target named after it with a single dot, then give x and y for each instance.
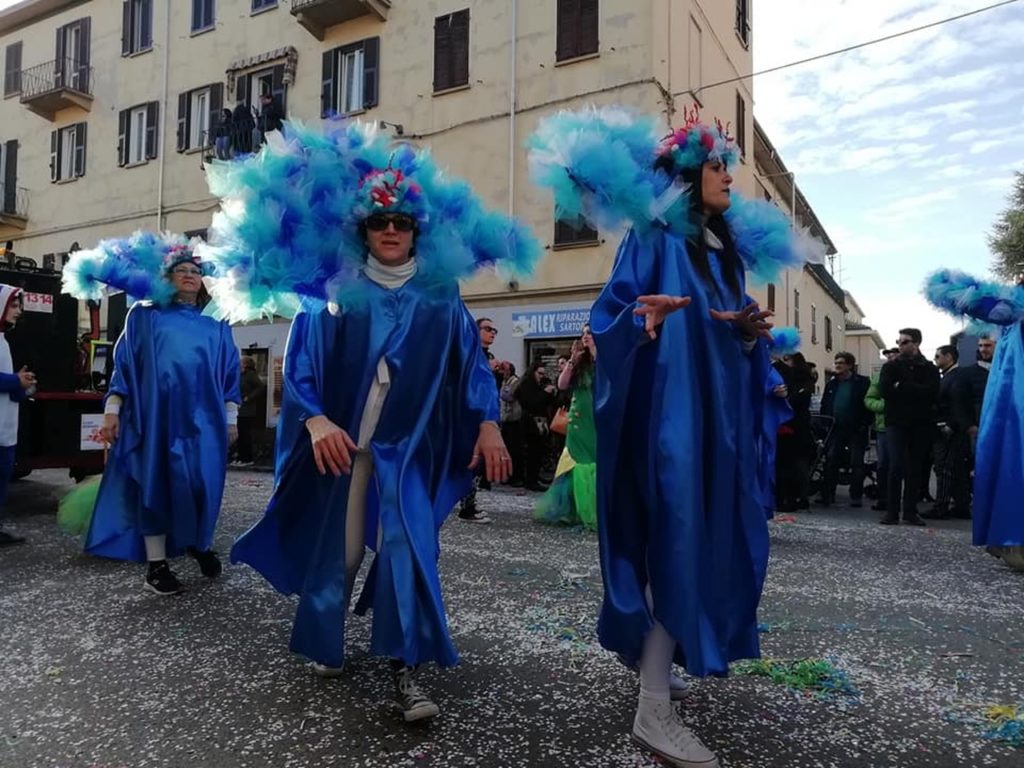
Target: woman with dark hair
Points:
(793, 453)
(536, 395)
(572, 497)
(170, 416)
(685, 407)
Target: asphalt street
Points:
(97, 673)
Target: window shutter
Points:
(216, 105)
(147, 25)
(54, 155)
(126, 28)
(123, 137)
(741, 125)
(84, 47)
(460, 48)
(328, 96)
(567, 22)
(12, 69)
(59, 64)
(10, 201)
(183, 108)
(371, 72)
(152, 129)
(442, 52)
(80, 137)
(587, 40)
(277, 88)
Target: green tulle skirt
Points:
(572, 497)
(75, 511)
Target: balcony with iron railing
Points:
(316, 16)
(55, 85)
(13, 207)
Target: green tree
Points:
(1007, 237)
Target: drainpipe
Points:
(512, 118)
(162, 138)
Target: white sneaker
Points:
(322, 670)
(658, 728)
(678, 687)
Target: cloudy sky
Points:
(905, 149)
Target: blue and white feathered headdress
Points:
(961, 295)
(137, 265)
(289, 221)
(608, 166)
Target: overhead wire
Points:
(849, 48)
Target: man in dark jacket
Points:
(843, 400)
(253, 411)
(910, 386)
(952, 445)
(972, 392)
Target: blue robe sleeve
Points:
(301, 362)
(232, 366)
(11, 384)
(121, 378)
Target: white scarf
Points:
(389, 276)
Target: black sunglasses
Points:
(378, 222)
(489, 329)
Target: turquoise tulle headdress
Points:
(986, 303)
(288, 227)
(606, 167)
(137, 265)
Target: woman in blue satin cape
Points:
(170, 416)
(388, 403)
(684, 411)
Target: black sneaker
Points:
(475, 517)
(889, 520)
(414, 704)
(913, 519)
(161, 579)
(9, 539)
(209, 563)
(856, 503)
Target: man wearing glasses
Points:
(910, 386)
(468, 510)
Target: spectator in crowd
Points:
(795, 441)
(468, 510)
(875, 403)
(971, 394)
(14, 387)
(222, 135)
(512, 422)
(536, 394)
(253, 411)
(243, 128)
(952, 445)
(910, 387)
(271, 117)
(843, 400)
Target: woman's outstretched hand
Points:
(751, 321)
(656, 307)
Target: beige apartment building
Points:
(110, 110)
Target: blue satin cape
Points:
(681, 430)
(175, 369)
(441, 390)
(999, 466)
